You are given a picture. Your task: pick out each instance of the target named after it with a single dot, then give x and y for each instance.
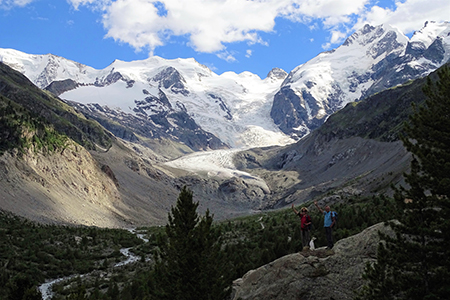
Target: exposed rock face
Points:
(114, 188)
(59, 87)
(313, 275)
(277, 73)
(316, 166)
(290, 110)
(75, 188)
(174, 125)
(49, 73)
(171, 79)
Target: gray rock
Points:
(277, 73)
(170, 78)
(59, 87)
(317, 274)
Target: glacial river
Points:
(46, 288)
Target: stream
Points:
(46, 288)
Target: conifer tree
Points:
(190, 264)
(415, 263)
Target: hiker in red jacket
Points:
(305, 226)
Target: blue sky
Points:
(225, 35)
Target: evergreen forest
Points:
(33, 253)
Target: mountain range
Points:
(329, 126)
(185, 101)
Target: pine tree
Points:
(415, 263)
(190, 264)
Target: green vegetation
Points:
(35, 109)
(257, 240)
(379, 117)
(31, 253)
(189, 261)
(415, 264)
(21, 129)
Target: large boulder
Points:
(317, 274)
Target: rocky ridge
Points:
(314, 274)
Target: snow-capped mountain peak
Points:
(233, 107)
(184, 100)
(427, 35)
(370, 60)
(276, 74)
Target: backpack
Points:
(335, 214)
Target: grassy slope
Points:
(16, 88)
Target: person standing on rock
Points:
(328, 223)
(305, 223)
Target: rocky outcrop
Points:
(313, 275)
(170, 78)
(277, 73)
(59, 87)
(290, 110)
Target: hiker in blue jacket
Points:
(328, 223)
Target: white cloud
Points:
(8, 4)
(337, 36)
(211, 25)
(207, 24)
(227, 56)
(77, 3)
(134, 22)
(408, 15)
(95, 4)
(248, 53)
(324, 9)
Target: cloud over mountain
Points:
(210, 26)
